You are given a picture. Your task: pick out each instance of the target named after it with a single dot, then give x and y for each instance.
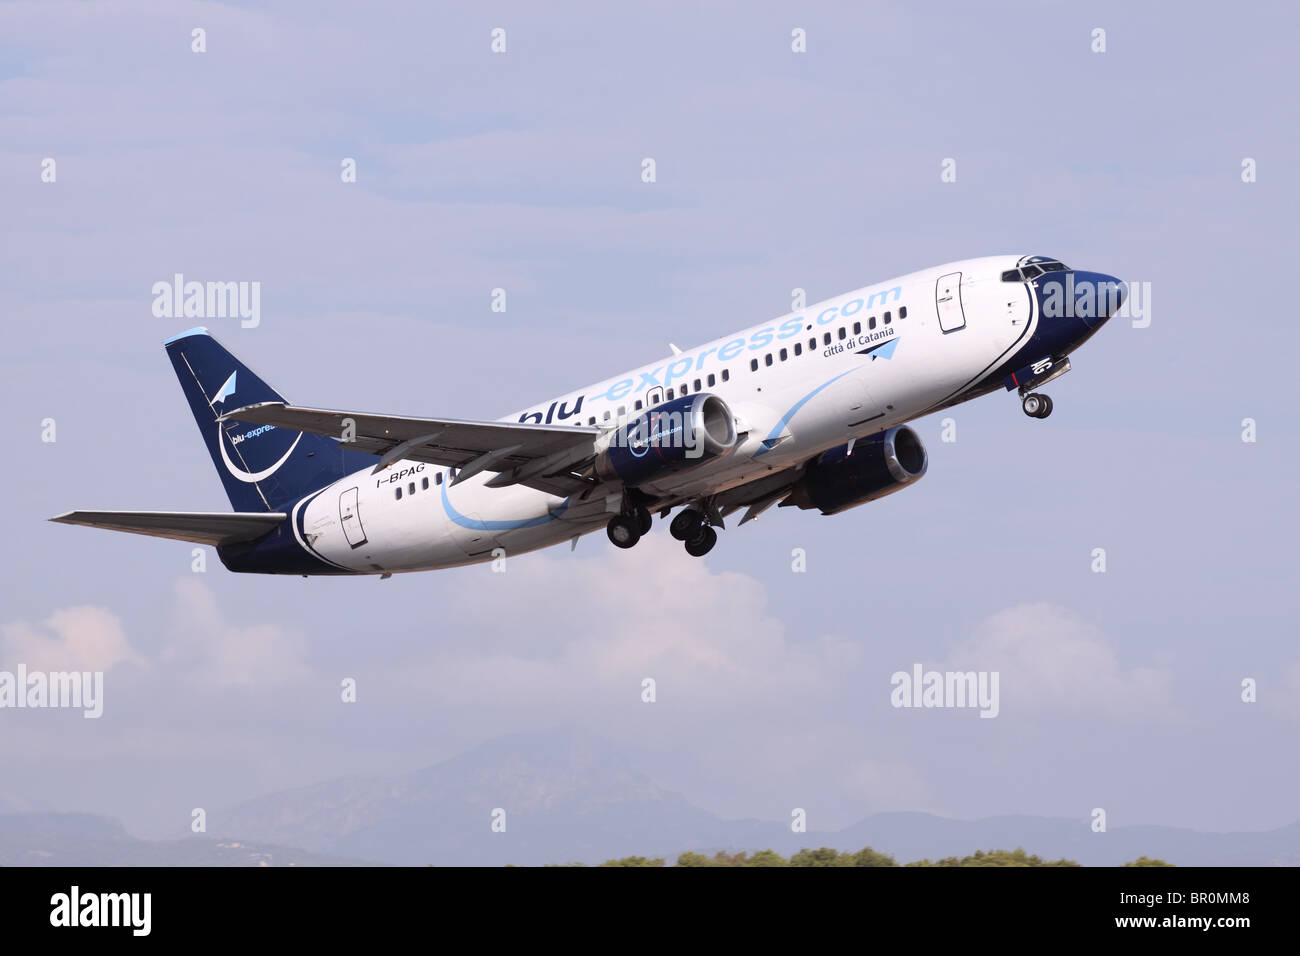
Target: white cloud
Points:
(80, 638)
(563, 626)
(1050, 659)
(213, 650)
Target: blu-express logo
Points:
(683, 366)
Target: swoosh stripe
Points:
(785, 419)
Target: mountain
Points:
(573, 797)
(566, 797)
(78, 839)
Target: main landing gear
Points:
(691, 528)
(1036, 405)
(626, 530)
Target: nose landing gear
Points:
(1036, 405)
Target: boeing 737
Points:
(809, 410)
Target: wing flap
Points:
(200, 527)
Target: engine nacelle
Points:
(878, 466)
(671, 437)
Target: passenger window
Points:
(902, 311)
(857, 327)
(683, 388)
(437, 479)
(871, 322)
(886, 318)
(622, 410)
(670, 394)
(826, 339)
(638, 405)
(843, 332)
(712, 380)
(591, 420)
(696, 384)
(812, 345)
(767, 359)
(753, 365)
(410, 489)
(399, 493)
(726, 374)
(424, 483)
(784, 355)
(798, 348)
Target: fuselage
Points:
(832, 373)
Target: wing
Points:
(541, 456)
(201, 527)
(758, 495)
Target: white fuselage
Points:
(941, 336)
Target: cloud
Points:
(207, 647)
(82, 638)
(1282, 696)
(1051, 660)
(706, 638)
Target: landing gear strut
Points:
(1036, 405)
(691, 528)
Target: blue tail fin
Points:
(263, 468)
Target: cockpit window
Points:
(1036, 266)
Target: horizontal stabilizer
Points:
(201, 527)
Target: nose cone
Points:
(1082, 299)
(1106, 292)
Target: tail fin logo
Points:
(249, 477)
(225, 391)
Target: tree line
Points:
(826, 856)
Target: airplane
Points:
(809, 411)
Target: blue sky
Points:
(775, 171)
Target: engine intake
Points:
(877, 466)
(671, 437)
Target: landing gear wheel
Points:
(1036, 405)
(685, 525)
(702, 543)
(622, 531)
(643, 521)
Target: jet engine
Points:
(870, 468)
(671, 437)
